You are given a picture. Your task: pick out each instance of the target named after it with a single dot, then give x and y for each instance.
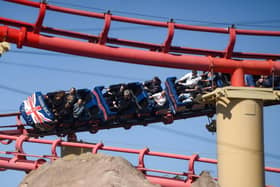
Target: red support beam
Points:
(136, 56)
(20, 162)
(10, 114)
(104, 34)
(232, 39)
(237, 78)
(20, 165)
(170, 35)
(161, 56)
(144, 22)
(40, 18)
(130, 43)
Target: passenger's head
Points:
(80, 101)
(194, 72)
(126, 94)
(59, 95)
(156, 79)
(67, 105)
(72, 90)
(122, 87)
(205, 74)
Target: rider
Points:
(189, 80)
(153, 86)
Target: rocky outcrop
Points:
(205, 180)
(87, 170)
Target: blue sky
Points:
(26, 70)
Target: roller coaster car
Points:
(46, 112)
(36, 113)
(178, 105)
(109, 102)
(90, 103)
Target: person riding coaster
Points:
(48, 112)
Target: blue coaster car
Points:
(91, 104)
(110, 102)
(46, 112)
(180, 104)
(170, 87)
(36, 113)
(185, 106)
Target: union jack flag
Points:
(32, 107)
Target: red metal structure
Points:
(103, 47)
(164, 55)
(17, 160)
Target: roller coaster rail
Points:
(164, 55)
(17, 160)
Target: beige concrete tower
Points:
(240, 148)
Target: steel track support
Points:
(240, 146)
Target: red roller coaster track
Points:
(164, 55)
(103, 47)
(18, 159)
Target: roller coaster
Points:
(98, 99)
(102, 108)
